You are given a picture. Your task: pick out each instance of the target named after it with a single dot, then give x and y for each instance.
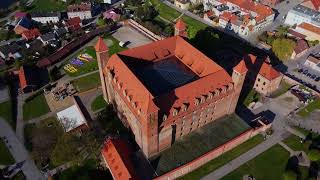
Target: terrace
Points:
(198, 143)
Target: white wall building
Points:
(46, 17)
(83, 11)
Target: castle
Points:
(164, 90)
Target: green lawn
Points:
(7, 114)
(253, 96)
(98, 103)
(87, 82)
(304, 112)
(269, 165)
(5, 156)
(36, 107)
(48, 5)
(93, 65)
(223, 159)
(294, 143)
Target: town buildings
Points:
(300, 49)
(83, 11)
(313, 62)
(165, 90)
(242, 17)
(310, 31)
(46, 17)
(31, 34)
(303, 14)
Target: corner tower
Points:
(180, 28)
(102, 53)
(238, 77)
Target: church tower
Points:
(238, 77)
(102, 53)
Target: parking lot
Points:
(126, 33)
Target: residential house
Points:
(82, 10)
(110, 1)
(31, 34)
(267, 80)
(10, 51)
(112, 14)
(46, 17)
(46, 38)
(243, 17)
(24, 24)
(302, 14)
(313, 62)
(31, 78)
(73, 24)
(19, 15)
(310, 31)
(182, 4)
(60, 32)
(300, 49)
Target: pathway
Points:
(59, 169)
(249, 155)
(20, 121)
(19, 152)
(287, 148)
(40, 118)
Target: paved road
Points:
(20, 121)
(19, 152)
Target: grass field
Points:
(294, 143)
(98, 103)
(309, 108)
(48, 5)
(223, 159)
(5, 156)
(253, 96)
(283, 88)
(269, 165)
(7, 114)
(87, 82)
(115, 48)
(36, 107)
(198, 143)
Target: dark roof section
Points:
(45, 14)
(26, 23)
(10, 48)
(301, 46)
(60, 31)
(47, 37)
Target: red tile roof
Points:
(228, 16)
(180, 25)
(31, 34)
(22, 78)
(79, 7)
(268, 72)
(118, 156)
(211, 75)
(313, 4)
(301, 46)
(101, 46)
(309, 27)
(241, 67)
(73, 21)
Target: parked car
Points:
(313, 76)
(317, 79)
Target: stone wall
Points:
(143, 30)
(191, 166)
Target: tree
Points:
(314, 155)
(101, 22)
(54, 73)
(67, 149)
(168, 31)
(290, 175)
(283, 48)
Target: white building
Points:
(46, 17)
(83, 11)
(313, 63)
(300, 14)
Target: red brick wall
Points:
(187, 168)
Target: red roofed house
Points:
(268, 79)
(165, 90)
(26, 79)
(300, 49)
(31, 34)
(312, 4)
(73, 24)
(117, 155)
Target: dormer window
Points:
(203, 98)
(210, 95)
(175, 111)
(134, 104)
(129, 98)
(165, 117)
(115, 80)
(196, 101)
(124, 92)
(139, 111)
(184, 106)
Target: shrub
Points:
(290, 175)
(314, 155)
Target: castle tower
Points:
(180, 28)
(238, 77)
(102, 53)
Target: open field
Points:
(48, 5)
(36, 107)
(98, 103)
(304, 112)
(198, 143)
(7, 114)
(5, 156)
(223, 159)
(87, 82)
(271, 164)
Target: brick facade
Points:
(156, 130)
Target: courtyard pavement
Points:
(126, 33)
